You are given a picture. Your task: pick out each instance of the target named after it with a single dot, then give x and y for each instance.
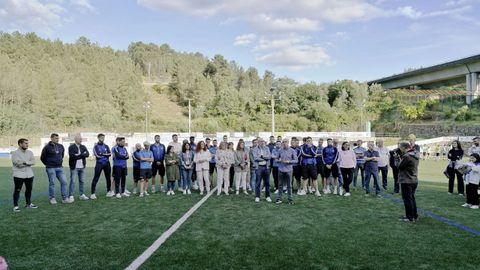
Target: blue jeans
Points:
(170, 185)
(340, 177)
(284, 178)
(60, 175)
(263, 173)
(187, 178)
(253, 178)
(368, 173)
(81, 180)
(360, 167)
(181, 180)
(384, 171)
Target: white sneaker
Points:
(237, 192)
(53, 201)
(299, 192)
(327, 191)
(257, 199)
(153, 189)
(340, 191)
(317, 193)
(185, 192)
(93, 197)
(146, 193)
(162, 189)
(474, 207)
(141, 194)
(118, 195)
(189, 192)
(134, 191)
(201, 192)
(309, 189)
(268, 199)
(466, 205)
(180, 189)
(335, 191)
(303, 193)
(16, 209)
(226, 193)
(83, 197)
(71, 199)
(128, 192)
(66, 200)
(276, 191)
(347, 194)
(125, 195)
(172, 193)
(168, 193)
(110, 194)
(245, 192)
(313, 190)
(195, 186)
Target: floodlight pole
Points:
(146, 105)
(189, 117)
(272, 90)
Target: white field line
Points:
(150, 250)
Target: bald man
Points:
(77, 161)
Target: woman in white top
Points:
(224, 160)
(241, 167)
(201, 159)
(348, 161)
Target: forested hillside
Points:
(49, 85)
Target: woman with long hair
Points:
(348, 161)
(241, 167)
(202, 165)
(186, 158)
(454, 155)
(224, 160)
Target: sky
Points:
(307, 40)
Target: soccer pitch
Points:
(330, 232)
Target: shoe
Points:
(450, 193)
(314, 190)
(446, 174)
(238, 192)
(303, 193)
(245, 192)
(257, 199)
(146, 193)
(276, 191)
(299, 192)
(230, 189)
(460, 194)
(66, 200)
(268, 199)
(110, 194)
(125, 195)
(226, 193)
(168, 193)
(201, 192)
(172, 193)
(327, 191)
(405, 219)
(93, 197)
(134, 191)
(153, 189)
(317, 193)
(335, 191)
(366, 194)
(467, 205)
(180, 189)
(379, 195)
(83, 197)
(189, 192)
(218, 193)
(474, 207)
(184, 192)
(162, 189)
(309, 190)
(347, 194)
(263, 189)
(291, 202)
(118, 195)
(16, 209)
(128, 192)
(31, 206)
(340, 191)
(195, 186)
(278, 202)
(141, 195)
(385, 188)
(71, 199)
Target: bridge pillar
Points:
(473, 87)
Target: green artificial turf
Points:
(233, 232)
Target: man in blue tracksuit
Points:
(120, 156)
(158, 165)
(102, 154)
(330, 168)
(308, 153)
(52, 158)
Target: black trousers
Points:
(347, 174)
(408, 196)
(472, 194)
(451, 180)
(120, 176)
(396, 185)
(18, 187)
(107, 170)
(275, 176)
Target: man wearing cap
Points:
(120, 157)
(158, 166)
(146, 159)
(102, 154)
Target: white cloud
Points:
(30, 15)
(409, 12)
(83, 5)
(244, 39)
(269, 23)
